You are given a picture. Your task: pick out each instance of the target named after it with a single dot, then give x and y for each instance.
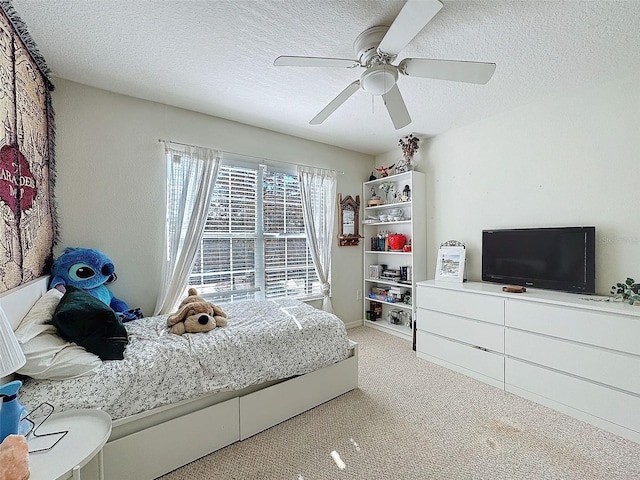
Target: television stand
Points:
(563, 350)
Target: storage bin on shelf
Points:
(381, 294)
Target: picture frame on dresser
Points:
(450, 264)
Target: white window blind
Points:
(254, 245)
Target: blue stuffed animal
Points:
(89, 270)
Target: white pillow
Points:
(42, 311)
(48, 355)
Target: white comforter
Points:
(264, 341)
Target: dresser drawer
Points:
(463, 304)
(604, 366)
(472, 359)
(609, 330)
(601, 402)
(482, 334)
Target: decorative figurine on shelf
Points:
(390, 191)
(409, 145)
(372, 177)
(406, 194)
(375, 199)
(384, 171)
(401, 166)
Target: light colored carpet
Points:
(411, 419)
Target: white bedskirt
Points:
(264, 341)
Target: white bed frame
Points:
(149, 444)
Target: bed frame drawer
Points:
(268, 407)
(195, 435)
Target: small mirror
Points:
(348, 220)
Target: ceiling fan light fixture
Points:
(379, 79)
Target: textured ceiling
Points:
(216, 57)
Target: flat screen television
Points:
(554, 258)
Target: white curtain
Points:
(318, 192)
(191, 176)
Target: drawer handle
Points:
(480, 348)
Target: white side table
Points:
(88, 429)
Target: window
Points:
(254, 244)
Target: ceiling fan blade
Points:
(288, 61)
(415, 14)
(456, 70)
(335, 103)
(396, 108)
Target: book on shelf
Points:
(374, 312)
(406, 275)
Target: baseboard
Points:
(353, 324)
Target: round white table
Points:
(88, 429)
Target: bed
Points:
(273, 361)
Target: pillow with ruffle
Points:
(48, 355)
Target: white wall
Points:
(111, 182)
(570, 160)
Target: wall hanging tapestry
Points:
(28, 227)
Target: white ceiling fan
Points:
(377, 47)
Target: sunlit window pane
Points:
(244, 256)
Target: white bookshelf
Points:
(412, 225)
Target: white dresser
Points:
(570, 352)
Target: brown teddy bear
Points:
(195, 314)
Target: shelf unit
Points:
(412, 225)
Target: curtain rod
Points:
(339, 172)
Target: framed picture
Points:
(450, 264)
